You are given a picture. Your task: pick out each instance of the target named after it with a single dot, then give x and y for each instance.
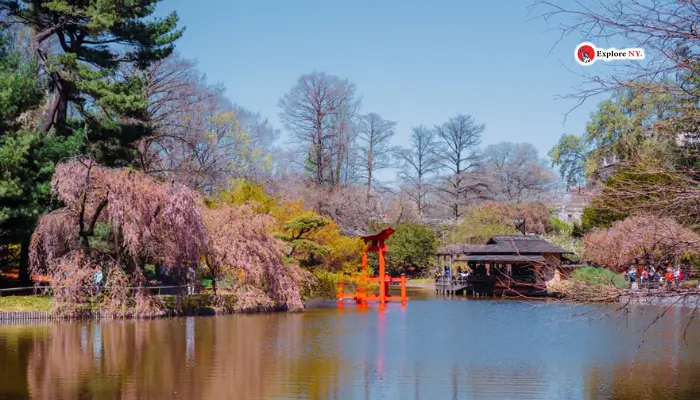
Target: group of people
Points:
(447, 273)
(650, 277)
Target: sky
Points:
(413, 62)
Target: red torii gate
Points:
(376, 244)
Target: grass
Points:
(691, 284)
(422, 280)
(206, 283)
(599, 277)
(25, 303)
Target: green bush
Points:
(326, 285)
(561, 227)
(411, 250)
(599, 277)
(691, 284)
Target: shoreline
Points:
(420, 285)
(683, 299)
(13, 317)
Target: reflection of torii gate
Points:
(360, 297)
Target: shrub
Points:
(691, 284)
(326, 285)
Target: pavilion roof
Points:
(505, 244)
(504, 258)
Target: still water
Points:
(431, 349)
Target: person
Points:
(191, 276)
(98, 279)
(645, 277)
(677, 276)
(669, 278)
(652, 276)
(632, 273)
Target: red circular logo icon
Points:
(585, 54)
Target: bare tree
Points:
(197, 137)
(343, 149)
(665, 29)
(418, 163)
(316, 112)
(400, 207)
(514, 172)
(460, 138)
(373, 134)
(263, 134)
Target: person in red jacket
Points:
(669, 278)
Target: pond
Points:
(431, 349)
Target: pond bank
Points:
(420, 285)
(38, 307)
(689, 298)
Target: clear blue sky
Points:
(414, 62)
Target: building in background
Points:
(570, 206)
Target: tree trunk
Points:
(24, 277)
(159, 275)
(213, 285)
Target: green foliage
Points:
(20, 91)
(620, 127)
(310, 247)
(691, 284)
(599, 277)
(94, 66)
(102, 240)
(304, 224)
(412, 250)
(478, 226)
(598, 217)
(569, 156)
(326, 285)
(27, 157)
(561, 227)
(567, 242)
(25, 303)
(298, 233)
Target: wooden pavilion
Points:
(506, 264)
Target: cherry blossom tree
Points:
(118, 220)
(639, 238)
(242, 245)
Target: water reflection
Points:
(429, 349)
